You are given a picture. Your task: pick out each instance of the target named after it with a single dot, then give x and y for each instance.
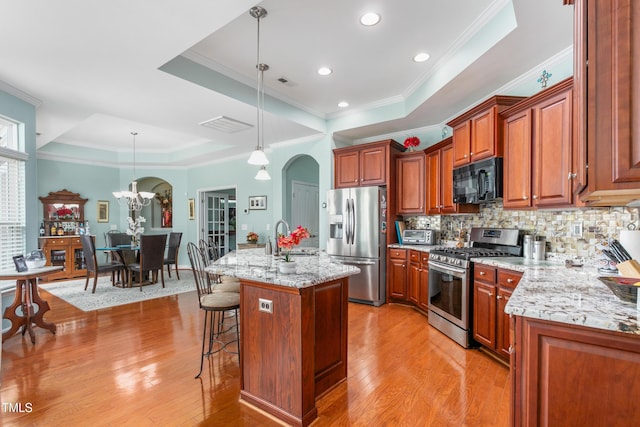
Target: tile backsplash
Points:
(572, 232)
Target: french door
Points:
(215, 219)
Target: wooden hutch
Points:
(63, 215)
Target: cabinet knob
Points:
(510, 350)
(534, 197)
(499, 297)
(403, 265)
(509, 280)
(465, 156)
(572, 176)
(525, 197)
(482, 273)
(471, 154)
(490, 294)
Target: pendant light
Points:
(258, 157)
(136, 201)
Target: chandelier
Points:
(136, 201)
(258, 157)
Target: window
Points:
(12, 194)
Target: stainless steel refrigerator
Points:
(357, 227)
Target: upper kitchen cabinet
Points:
(366, 164)
(411, 183)
(439, 159)
(607, 81)
(538, 147)
(477, 134)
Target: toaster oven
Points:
(419, 237)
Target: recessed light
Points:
(343, 104)
(324, 71)
(421, 57)
(369, 19)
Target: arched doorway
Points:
(301, 181)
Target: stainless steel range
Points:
(450, 279)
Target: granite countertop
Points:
(254, 264)
(421, 248)
(551, 291)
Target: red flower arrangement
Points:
(64, 213)
(412, 141)
(293, 239)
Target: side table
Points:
(26, 296)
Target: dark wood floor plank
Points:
(134, 365)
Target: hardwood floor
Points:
(134, 365)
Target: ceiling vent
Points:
(285, 81)
(226, 124)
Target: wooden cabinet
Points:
(366, 164)
(538, 150)
(439, 160)
(492, 288)
(608, 99)
(63, 209)
(423, 295)
(411, 183)
(397, 274)
(413, 293)
(573, 376)
(477, 134)
(65, 251)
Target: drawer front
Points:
(398, 253)
(414, 256)
(484, 273)
(76, 241)
(57, 242)
(508, 278)
(424, 258)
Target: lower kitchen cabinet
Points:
(569, 375)
(414, 277)
(397, 274)
(492, 288)
(65, 251)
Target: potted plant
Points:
(286, 243)
(252, 237)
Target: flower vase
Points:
(287, 267)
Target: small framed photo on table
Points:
(257, 203)
(103, 211)
(21, 264)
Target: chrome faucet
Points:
(276, 250)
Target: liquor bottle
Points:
(53, 230)
(41, 229)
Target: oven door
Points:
(449, 293)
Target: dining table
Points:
(28, 299)
(125, 254)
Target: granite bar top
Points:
(254, 264)
(551, 291)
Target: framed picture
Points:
(103, 211)
(257, 203)
(21, 264)
(192, 209)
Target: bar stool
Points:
(215, 305)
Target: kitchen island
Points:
(575, 356)
(293, 341)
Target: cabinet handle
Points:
(499, 297)
(510, 350)
(572, 176)
(509, 280)
(482, 273)
(490, 294)
(525, 197)
(534, 197)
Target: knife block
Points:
(629, 268)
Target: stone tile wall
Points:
(557, 226)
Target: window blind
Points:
(12, 209)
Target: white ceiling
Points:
(101, 69)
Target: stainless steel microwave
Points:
(479, 182)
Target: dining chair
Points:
(91, 261)
(215, 305)
(172, 252)
(151, 259)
